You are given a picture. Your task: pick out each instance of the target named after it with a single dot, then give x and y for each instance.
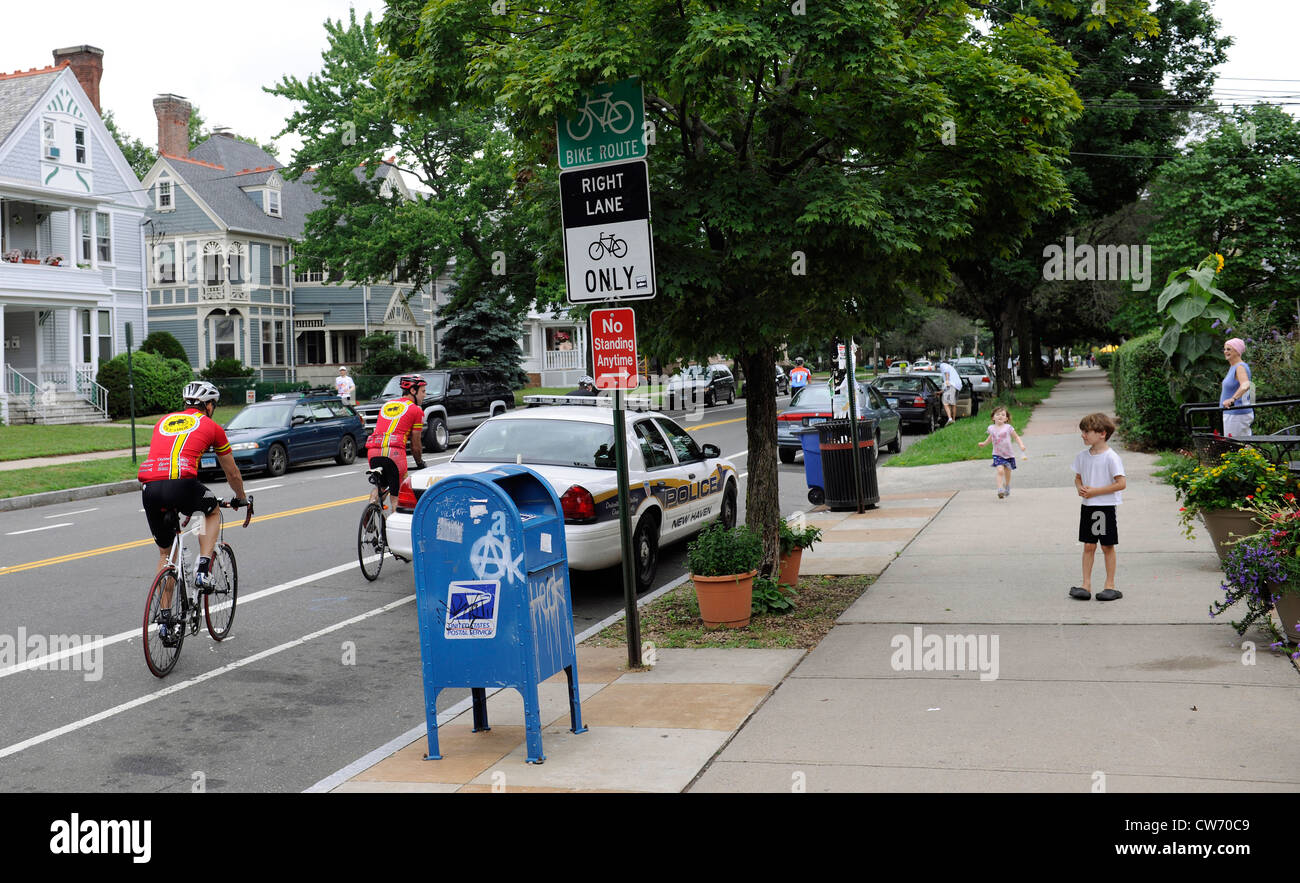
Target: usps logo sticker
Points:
(472, 609)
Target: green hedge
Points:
(1104, 360)
(1145, 406)
(159, 383)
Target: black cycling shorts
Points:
(392, 475)
(169, 498)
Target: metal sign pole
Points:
(853, 424)
(632, 615)
(130, 385)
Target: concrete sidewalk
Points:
(1142, 694)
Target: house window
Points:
(223, 336)
(84, 241)
(212, 264)
(165, 196)
(345, 346)
(273, 203)
(105, 335)
(104, 237)
(277, 265)
(273, 343)
(164, 263)
(80, 141)
(311, 347)
(85, 336)
(309, 275)
(235, 264)
(526, 344)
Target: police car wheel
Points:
(436, 436)
(645, 546)
(728, 514)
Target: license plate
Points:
(813, 421)
(208, 463)
(893, 403)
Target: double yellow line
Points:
(135, 544)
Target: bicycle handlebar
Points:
(238, 504)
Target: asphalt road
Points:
(321, 666)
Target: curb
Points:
(67, 495)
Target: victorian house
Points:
(71, 242)
(223, 224)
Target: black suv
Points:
(708, 383)
(455, 402)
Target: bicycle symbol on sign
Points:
(607, 242)
(614, 116)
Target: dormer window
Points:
(273, 203)
(80, 143)
(164, 196)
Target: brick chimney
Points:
(173, 113)
(87, 64)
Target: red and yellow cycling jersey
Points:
(178, 441)
(396, 420)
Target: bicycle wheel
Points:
(618, 247)
(621, 117)
(585, 121)
(161, 655)
(370, 541)
(596, 250)
(219, 606)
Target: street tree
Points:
(810, 163)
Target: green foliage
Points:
(797, 538)
(1193, 308)
(1274, 358)
(384, 357)
(159, 383)
(225, 369)
(1104, 360)
(1144, 400)
(162, 343)
(768, 598)
(1259, 570)
(721, 552)
(486, 333)
(1242, 479)
(138, 155)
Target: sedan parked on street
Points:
(286, 430)
(979, 374)
(917, 399)
(812, 405)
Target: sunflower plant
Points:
(1242, 479)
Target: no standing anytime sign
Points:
(613, 346)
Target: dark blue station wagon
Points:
(274, 435)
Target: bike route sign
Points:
(608, 126)
(608, 253)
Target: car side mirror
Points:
(299, 420)
(711, 452)
(454, 392)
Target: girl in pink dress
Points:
(1001, 433)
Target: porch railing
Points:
(55, 377)
(565, 359)
(24, 389)
(91, 391)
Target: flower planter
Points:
(725, 600)
(30, 261)
(790, 570)
(1288, 610)
(1224, 524)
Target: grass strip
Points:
(960, 439)
(34, 440)
(19, 482)
(674, 620)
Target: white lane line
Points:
(77, 512)
(265, 487)
(135, 632)
(183, 685)
(14, 533)
(337, 474)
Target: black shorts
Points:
(169, 498)
(392, 475)
(1097, 525)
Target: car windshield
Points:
(269, 416)
(969, 369)
(901, 384)
(540, 442)
(437, 383)
(694, 371)
(818, 397)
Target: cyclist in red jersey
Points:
(397, 420)
(170, 475)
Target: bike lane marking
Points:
(14, 533)
(198, 679)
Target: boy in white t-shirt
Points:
(1099, 479)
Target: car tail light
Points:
(789, 418)
(919, 402)
(984, 380)
(578, 505)
(406, 496)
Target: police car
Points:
(677, 486)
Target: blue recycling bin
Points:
(810, 441)
(492, 594)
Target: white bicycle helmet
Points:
(199, 391)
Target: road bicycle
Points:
(162, 647)
(615, 116)
(607, 242)
(372, 535)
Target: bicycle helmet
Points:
(586, 380)
(199, 391)
(798, 360)
(410, 383)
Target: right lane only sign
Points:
(608, 253)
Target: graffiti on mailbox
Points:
(491, 557)
(472, 609)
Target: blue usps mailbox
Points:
(492, 594)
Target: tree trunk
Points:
(1025, 342)
(762, 493)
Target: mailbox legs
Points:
(532, 723)
(431, 720)
(480, 709)
(575, 706)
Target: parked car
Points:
(782, 384)
(677, 486)
(917, 399)
(456, 400)
(965, 394)
(291, 429)
(899, 367)
(709, 384)
(812, 405)
(923, 365)
(978, 372)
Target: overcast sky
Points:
(219, 56)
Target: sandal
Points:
(1080, 593)
(1109, 595)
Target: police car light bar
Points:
(633, 403)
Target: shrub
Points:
(721, 552)
(384, 357)
(1104, 360)
(159, 383)
(161, 343)
(1144, 402)
(225, 369)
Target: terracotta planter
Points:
(1223, 524)
(790, 569)
(725, 600)
(1288, 610)
(30, 261)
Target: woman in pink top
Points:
(1000, 434)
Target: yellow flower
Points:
(1219, 258)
